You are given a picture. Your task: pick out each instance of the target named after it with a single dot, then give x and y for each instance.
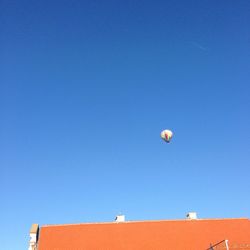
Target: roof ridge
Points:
(142, 221)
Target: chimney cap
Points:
(120, 218)
(191, 216)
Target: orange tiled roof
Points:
(154, 235)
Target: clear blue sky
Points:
(86, 88)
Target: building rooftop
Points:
(163, 234)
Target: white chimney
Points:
(34, 230)
(120, 218)
(191, 216)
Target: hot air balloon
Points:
(166, 135)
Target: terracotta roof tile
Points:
(147, 235)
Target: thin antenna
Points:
(212, 246)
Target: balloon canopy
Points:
(167, 135)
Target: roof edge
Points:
(140, 221)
